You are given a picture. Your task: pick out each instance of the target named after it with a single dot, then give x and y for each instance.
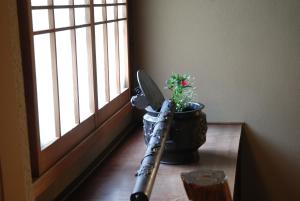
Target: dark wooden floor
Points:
(114, 179)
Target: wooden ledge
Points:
(114, 180)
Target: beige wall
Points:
(14, 151)
(245, 56)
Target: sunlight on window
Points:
(44, 83)
(40, 20)
(81, 2)
(39, 2)
(98, 1)
(82, 16)
(85, 76)
(121, 11)
(62, 17)
(98, 14)
(110, 1)
(112, 62)
(123, 52)
(61, 2)
(66, 82)
(70, 52)
(111, 12)
(100, 57)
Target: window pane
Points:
(110, 1)
(98, 14)
(39, 2)
(62, 17)
(111, 12)
(44, 84)
(66, 81)
(123, 53)
(85, 73)
(82, 16)
(62, 2)
(121, 11)
(98, 1)
(112, 62)
(40, 19)
(121, 1)
(81, 2)
(101, 65)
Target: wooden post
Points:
(206, 185)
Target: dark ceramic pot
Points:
(187, 134)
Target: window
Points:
(79, 70)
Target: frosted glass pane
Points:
(82, 16)
(123, 54)
(39, 2)
(112, 63)
(85, 73)
(110, 12)
(110, 1)
(65, 81)
(100, 46)
(98, 1)
(40, 19)
(62, 17)
(81, 2)
(62, 2)
(121, 11)
(98, 14)
(44, 83)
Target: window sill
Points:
(55, 180)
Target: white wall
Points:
(245, 56)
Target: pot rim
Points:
(199, 105)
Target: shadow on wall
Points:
(251, 185)
(266, 175)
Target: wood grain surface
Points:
(114, 180)
(1, 184)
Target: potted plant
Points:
(182, 91)
(188, 130)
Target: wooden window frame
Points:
(43, 160)
(1, 184)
